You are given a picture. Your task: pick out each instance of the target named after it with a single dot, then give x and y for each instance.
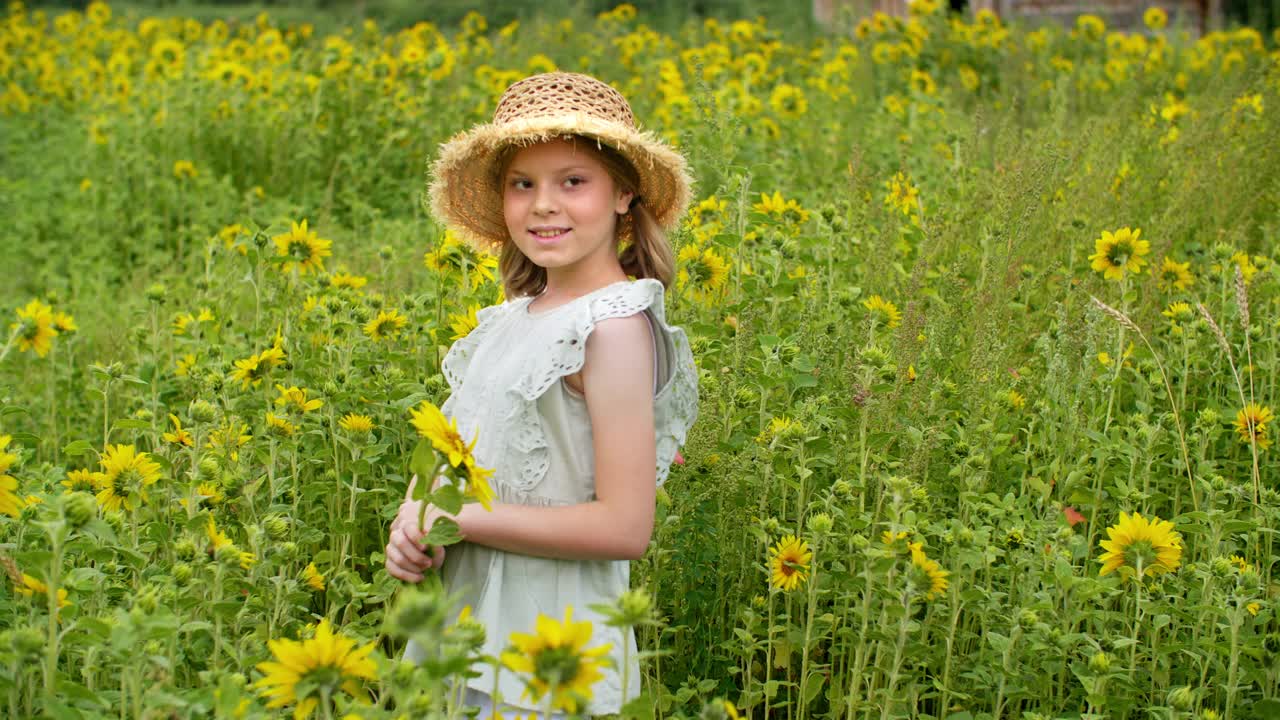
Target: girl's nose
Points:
(544, 202)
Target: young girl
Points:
(578, 389)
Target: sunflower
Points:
(789, 563)
(10, 503)
(78, 480)
(351, 422)
(387, 324)
(326, 662)
(218, 540)
(882, 311)
(454, 257)
(1175, 275)
(179, 436)
(901, 195)
(182, 368)
(229, 437)
(463, 324)
(557, 661)
(31, 586)
(64, 323)
(776, 206)
(443, 434)
(251, 370)
(125, 475)
(184, 170)
(703, 270)
(1251, 425)
(313, 577)
(1119, 252)
(341, 280)
(296, 398)
(280, 426)
(304, 249)
(478, 487)
(7, 459)
(788, 101)
(1155, 18)
(936, 576)
(1141, 547)
(35, 328)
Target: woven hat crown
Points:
(561, 93)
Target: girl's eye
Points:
(520, 184)
(574, 181)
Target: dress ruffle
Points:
(562, 353)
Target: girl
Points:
(578, 389)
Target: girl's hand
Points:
(407, 556)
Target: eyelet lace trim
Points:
(675, 405)
(526, 459)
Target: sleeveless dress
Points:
(507, 384)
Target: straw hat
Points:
(465, 192)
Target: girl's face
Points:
(561, 205)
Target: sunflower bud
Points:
(1027, 619)
(26, 642)
(202, 411)
(182, 573)
(1100, 663)
(208, 467)
(228, 554)
(156, 293)
(1182, 698)
(821, 523)
(277, 526)
(289, 550)
(184, 549)
(79, 508)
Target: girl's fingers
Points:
(398, 568)
(410, 549)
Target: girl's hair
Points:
(647, 253)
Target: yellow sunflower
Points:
(35, 328)
(219, 540)
(789, 563)
(295, 398)
(443, 434)
(313, 577)
(463, 324)
(882, 311)
(326, 662)
(125, 475)
(901, 195)
(179, 436)
(1175, 275)
(31, 586)
(351, 422)
(556, 660)
(10, 503)
(703, 271)
(387, 324)
(1251, 425)
(936, 576)
(304, 248)
(1118, 253)
(1141, 547)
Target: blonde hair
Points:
(646, 254)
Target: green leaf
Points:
(423, 464)
(444, 531)
(813, 686)
(77, 448)
(130, 424)
(640, 708)
(448, 498)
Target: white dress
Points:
(507, 384)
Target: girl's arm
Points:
(617, 525)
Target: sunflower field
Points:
(987, 320)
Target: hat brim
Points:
(464, 191)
